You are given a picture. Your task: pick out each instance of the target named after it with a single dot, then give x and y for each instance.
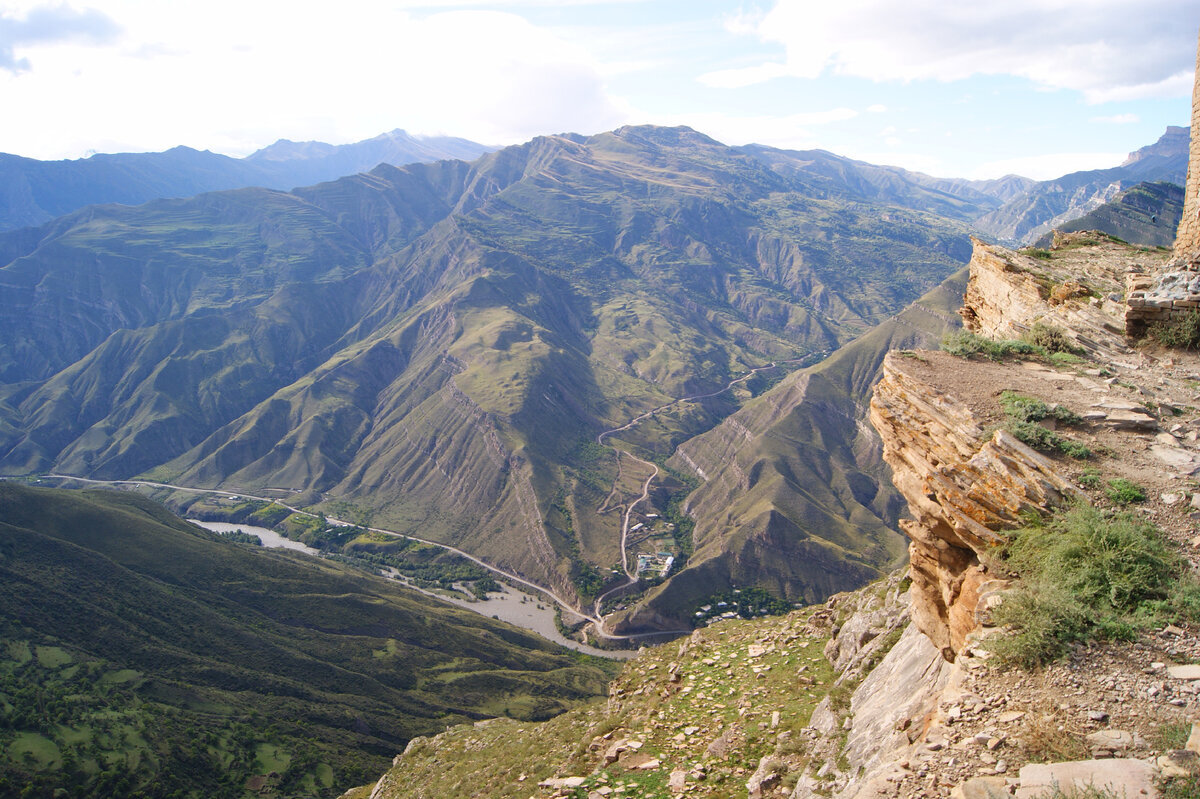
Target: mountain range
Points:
(1147, 214)
(33, 192)
(436, 348)
(497, 355)
(1053, 203)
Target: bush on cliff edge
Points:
(1087, 575)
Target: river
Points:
(518, 608)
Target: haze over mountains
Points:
(556, 357)
(440, 345)
(33, 192)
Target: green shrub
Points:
(1074, 449)
(1023, 408)
(1183, 333)
(1044, 440)
(1024, 413)
(966, 344)
(1051, 338)
(1090, 478)
(1124, 492)
(1086, 575)
(1065, 359)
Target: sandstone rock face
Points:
(1003, 296)
(1075, 290)
(963, 487)
(1123, 777)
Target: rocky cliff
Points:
(963, 486)
(1046, 328)
(888, 691)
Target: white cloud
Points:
(878, 108)
(233, 76)
(1107, 49)
(743, 22)
(741, 77)
(22, 28)
(1117, 119)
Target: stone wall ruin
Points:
(1175, 293)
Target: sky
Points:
(971, 89)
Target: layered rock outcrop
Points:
(963, 487)
(964, 483)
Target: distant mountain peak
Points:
(396, 133)
(37, 191)
(680, 135)
(1174, 142)
(288, 150)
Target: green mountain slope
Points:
(793, 497)
(144, 656)
(1147, 214)
(436, 348)
(1052, 203)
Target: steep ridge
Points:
(891, 709)
(435, 347)
(1051, 203)
(1146, 214)
(962, 487)
(957, 199)
(792, 497)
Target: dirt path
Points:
(630, 577)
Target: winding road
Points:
(598, 623)
(595, 617)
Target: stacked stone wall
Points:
(1187, 238)
(1174, 294)
(1147, 301)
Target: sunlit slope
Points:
(793, 496)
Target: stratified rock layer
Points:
(962, 486)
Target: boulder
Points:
(982, 788)
(1121, 776)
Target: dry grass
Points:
(1045, 736)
